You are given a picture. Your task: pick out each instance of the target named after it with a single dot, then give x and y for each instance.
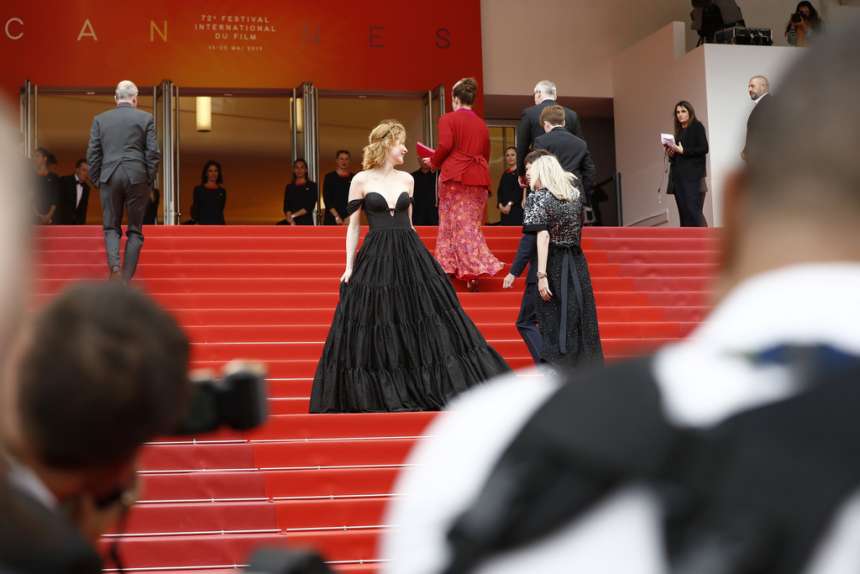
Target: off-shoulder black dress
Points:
(399, 340)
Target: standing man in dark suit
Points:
(527, 321)
(123, 157)
(531, 127)
(570, 150)
(759, 90)
(75, 195)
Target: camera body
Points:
(796, 18)
(238, 400)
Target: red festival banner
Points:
(374, 45)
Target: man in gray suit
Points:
(123, 156)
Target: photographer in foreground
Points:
(100, 371)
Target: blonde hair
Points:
(381, 139)
(550, 174)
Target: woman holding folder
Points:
(462, 156)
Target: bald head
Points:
(797, 200)
(758, 87)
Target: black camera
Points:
(796, 18)
(237, 400)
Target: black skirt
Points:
(399, 340)
(568, 321)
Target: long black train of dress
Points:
(399, 340)
(568, 321)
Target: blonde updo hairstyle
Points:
(548, 171)
(382, 138)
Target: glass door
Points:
(305, 135)
(434, 107)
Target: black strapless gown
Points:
(399, 340)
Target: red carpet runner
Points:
(268, 293)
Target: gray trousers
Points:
(120, 194)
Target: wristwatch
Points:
(541, 275)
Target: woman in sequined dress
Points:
(567, 314)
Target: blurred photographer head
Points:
(101, 370)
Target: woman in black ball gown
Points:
(399, 340)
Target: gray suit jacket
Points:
(123, 135)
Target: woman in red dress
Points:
(462, 156)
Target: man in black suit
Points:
(759, 90)
(570, 150)
(530, 126)
(123, 156)
(527, 321)
(71, 437)
(74, 195)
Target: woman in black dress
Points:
(47, 187)
(207, 207)
(300, 196)
(687, 158)
(336, 190)
(510, 193)
(567, 314)
(399, 340)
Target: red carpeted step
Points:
(186, 551)
(275, 455)
(470, 301)
(491, 331)
(316, 426)
(336, 231)
(305, 284)
(288, 405)
(211, 517)
(287, 242)
(268, 484)
(280, 350)
(152, 256)
(323, 315)
(329, 271)
(305, 368)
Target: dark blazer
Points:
(526, 255)
(691, 164)
(572, 153)
(756, 120)
(68, 213)
(123, 135)
(35, 539)
(530, 129)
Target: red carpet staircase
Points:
(268, 293)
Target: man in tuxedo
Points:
(75, 195)
(759, 91)
(123, 157)
(570, 150)
(530, 126)
(527, 321)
